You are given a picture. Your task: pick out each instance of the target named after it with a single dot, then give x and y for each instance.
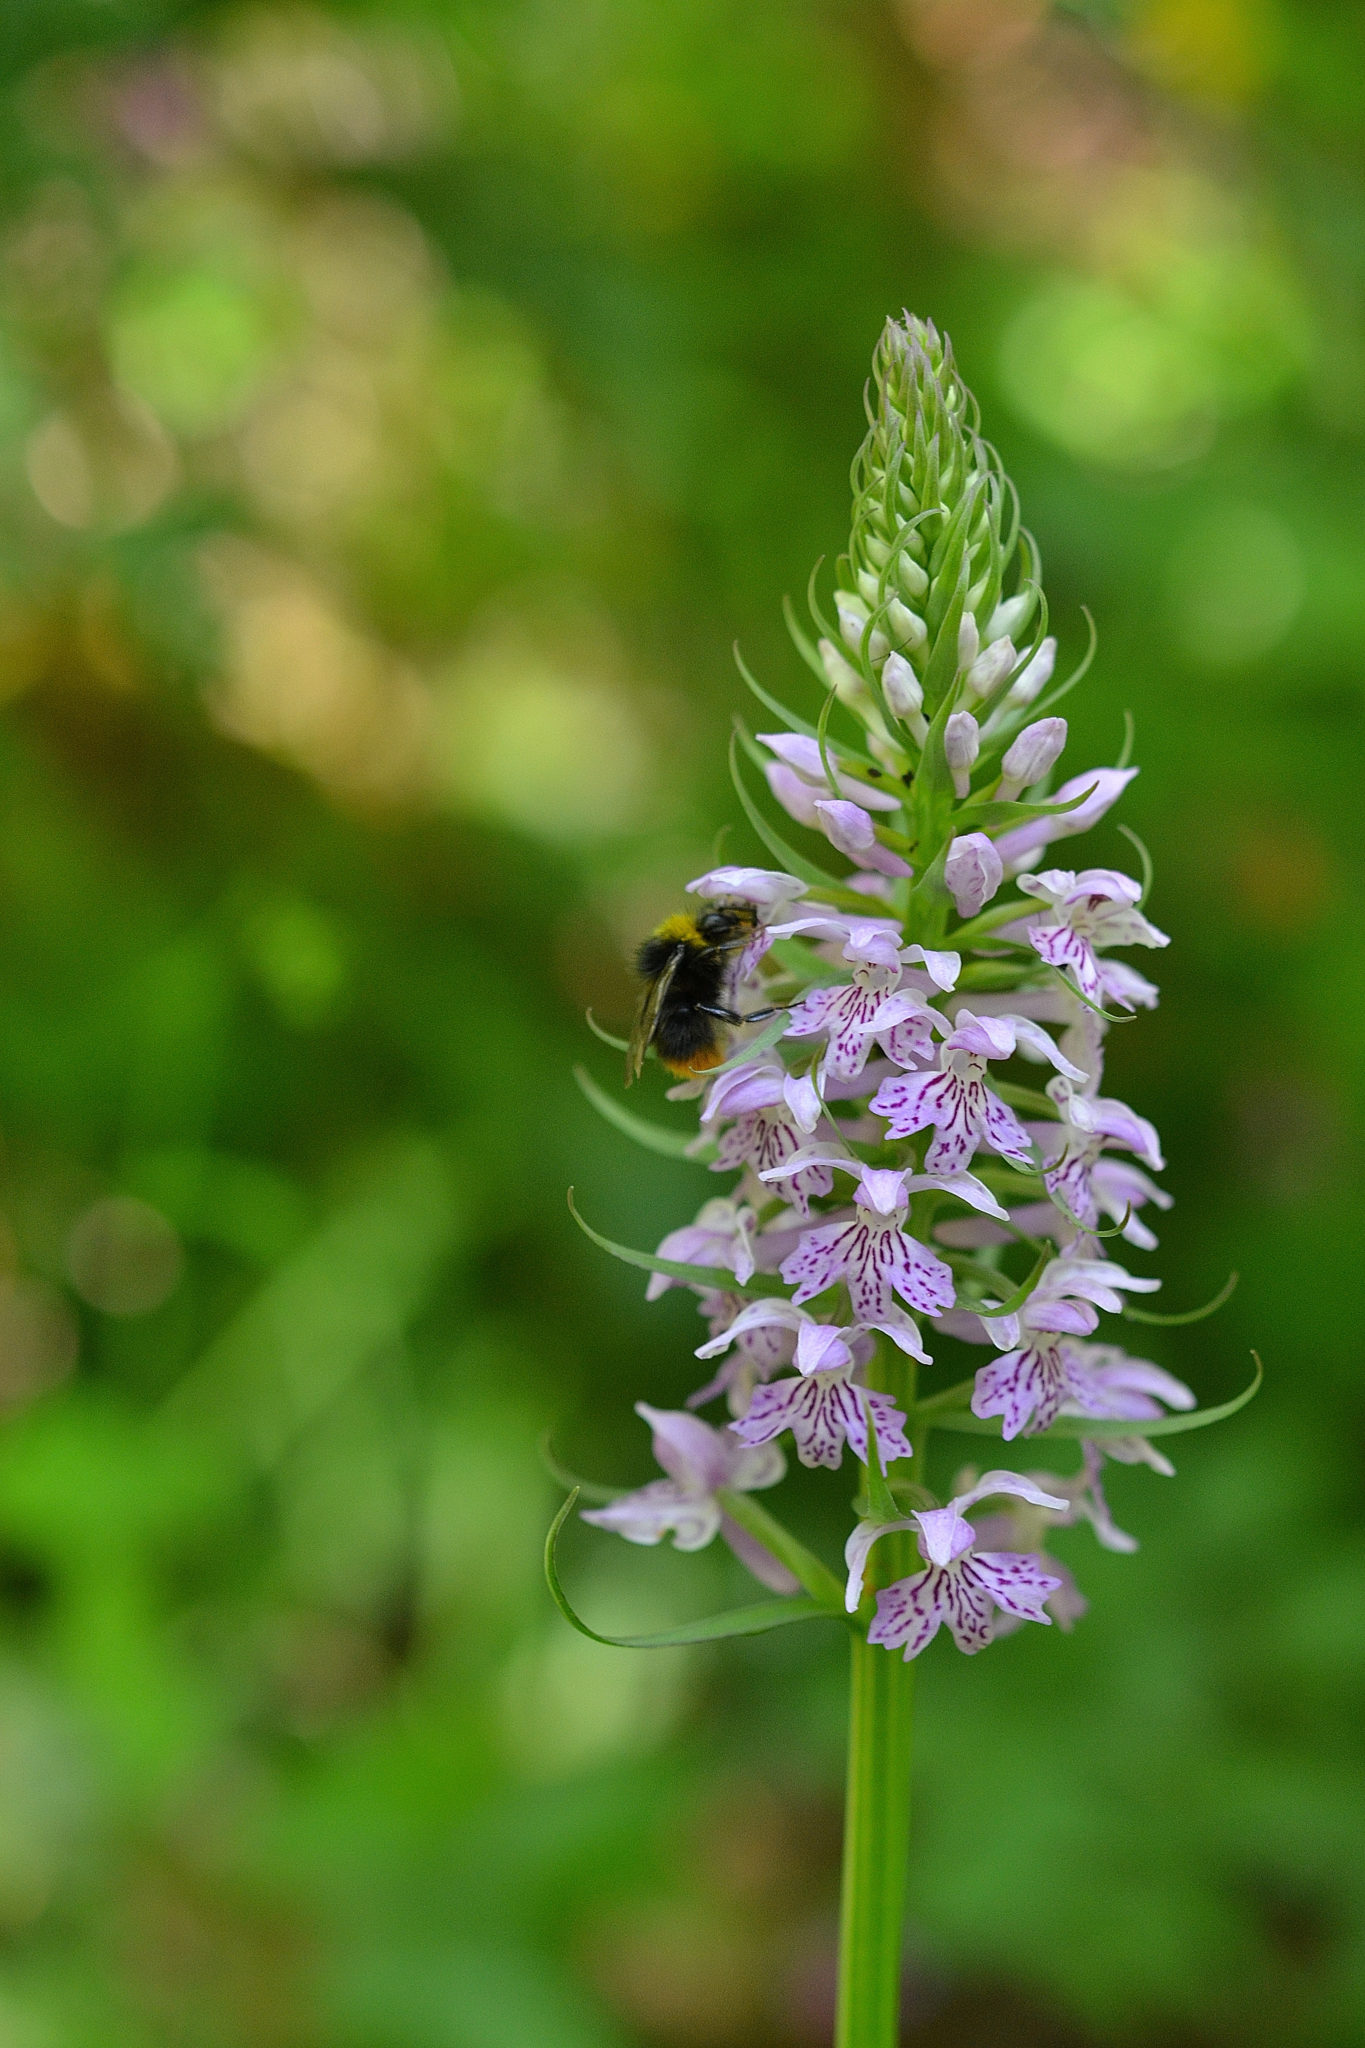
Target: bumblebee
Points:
(684, 965)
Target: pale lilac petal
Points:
(882, 1189)
(849, 828)
(1004, 1132)
(967, 1188)
(1106, 786)
(1126, 988)
(1016, 1581)
(994, 1483)
(856, 1552)
(802, 753)
(652, 1512)
(942, 967)
(912, 1101)
(942, 1533)
(756, 1085)
(1025, 1389)
(772, 1312)
(966, 1606)
(818, 1261)
(796, 795)
(802, 1099)
(909, 1613)
(822, 1347)
(689, 1450)
(766, 888)
(1063, 948)
(904, 1334)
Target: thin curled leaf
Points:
(1129, 742)
(677, 1269)
(607, 1037)
(1094, 1429)
(791, 719)
(1015, 1301)
(813, 1573)
(1142, 855)
(654, 1137)
(739, 1621)
(1063, 689)
(570, 1481)
(994, 814)
(767, 1037)
(1192, 1315)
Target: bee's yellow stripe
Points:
(680, 926)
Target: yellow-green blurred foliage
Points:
(402, 410)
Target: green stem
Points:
(877, 1798)
(876, 1831)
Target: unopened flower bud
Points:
(869, 588)
(961, 745)
(914, 579)
(968, 641)
(1036, 676)
(844, 679)
(990, 668)
(1033, 753)
(908, 627)
(853, 617)
(973, 872)
(1010, 616)
(904, 696)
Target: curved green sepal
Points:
(570, 1481)
(814, 1574)
(1015, 1301)
(791, 719)
(1193, 1315)
(1129, 742)
(1068, 1427)
(1064, 689)
(608, 1037)
(767, 1037)
(654, 1137)
(696, 1276)
(1146, 860)
(992, 814)
(739, 1621)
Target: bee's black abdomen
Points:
(653, 956)
(681, 1034)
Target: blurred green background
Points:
(402, 410)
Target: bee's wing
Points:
(647, 1016)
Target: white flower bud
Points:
(990, 668)
(968, 641)
(869, 587)
(961, 745)
(1036, 676)
(914, 579)
(853, 616)
(1032, 754)
(901, 688)
(877, 552)
(1011, 615)
(908, 627)
(844, 679)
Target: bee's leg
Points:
(735, 1017)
